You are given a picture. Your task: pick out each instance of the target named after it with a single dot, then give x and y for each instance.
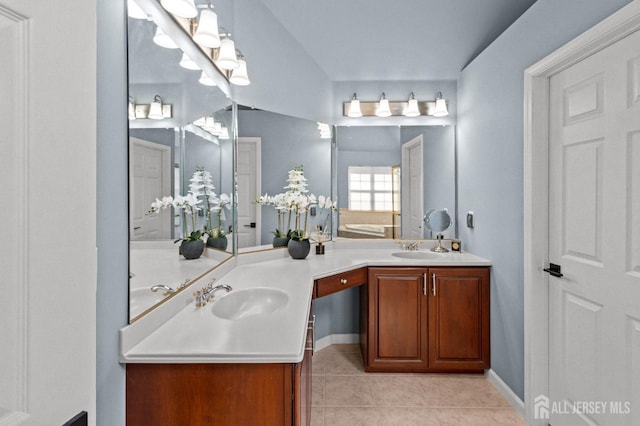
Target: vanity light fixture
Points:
(412, 109)
(205, 80)
(239, 76)
(188, 63)
(441, 106)
(157, 110)
(225, 133)
(227, 59)
(162, 39)
(181, 8)
(383, 107)
(134, 11)
(354, 107)
(207, 32)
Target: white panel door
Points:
(249, 187)
(594, 220)
(150, 174)
(48, 219)
(411, 189)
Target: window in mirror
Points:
(370, 188)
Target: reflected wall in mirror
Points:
(388, 177)
(269, 145)
(164, 155)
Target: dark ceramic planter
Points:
(280, 241)
(219, 243)
(299, 249)
(191, 249)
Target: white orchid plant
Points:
(188, 206)
(201, 191)
(295, 204)
(201, 185)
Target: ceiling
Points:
(356, 40)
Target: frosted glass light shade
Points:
(354, 109)
(441, 108)
(207, 33)
(227, 59)
(412, 109)
(239, 75)
(135, 11)
(131, 109)
(181, 8)
(217, 128)
(225, 134)
(155, 109)
(205, 80)
(162, 39)
(188, 63)
(383, 107)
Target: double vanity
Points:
(245, 356)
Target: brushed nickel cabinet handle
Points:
(424, 283)
(433, 282)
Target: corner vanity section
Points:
(250, 362)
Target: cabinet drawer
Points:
(339, 282)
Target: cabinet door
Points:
(459, 319)
(397, 334)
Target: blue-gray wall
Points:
(112, 234)
(490, 157)
(287, 142)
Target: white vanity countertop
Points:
(196, 335)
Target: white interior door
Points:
(594, 224)
(48, 220)
(150, 174)
(412, 206)
(249, 188)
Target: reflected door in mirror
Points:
(249, 188)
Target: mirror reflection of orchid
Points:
(292, 207)
(201, 185)
(188, 207)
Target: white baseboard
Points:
(337, 339)
(506, 391)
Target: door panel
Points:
(594, 224)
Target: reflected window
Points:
(370, 188)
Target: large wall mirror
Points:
(389, 177)
(193, 138)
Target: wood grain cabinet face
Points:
(397, 326)
(425, 319)
(459, 319)
(338, 282)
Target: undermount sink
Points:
(417, 255)
(253, 301)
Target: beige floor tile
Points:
(317, 390)
(317, 416)
(464, 391)
(346, 347)
(397, 391)
(480, 417)
(348, 391)
(351, 416)
(409, 416)
(344, 363)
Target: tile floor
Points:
(343, 394)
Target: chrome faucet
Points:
(169, 290)
(205, 294)
(409, 245)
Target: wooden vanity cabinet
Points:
(395, 320)
(459, 319)
(426, 319)
(338, 282)
(220, 394)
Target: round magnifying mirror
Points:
(438, 221)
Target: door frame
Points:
(167, 175)
(257, 142)
(404, 177)
(536, 190)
